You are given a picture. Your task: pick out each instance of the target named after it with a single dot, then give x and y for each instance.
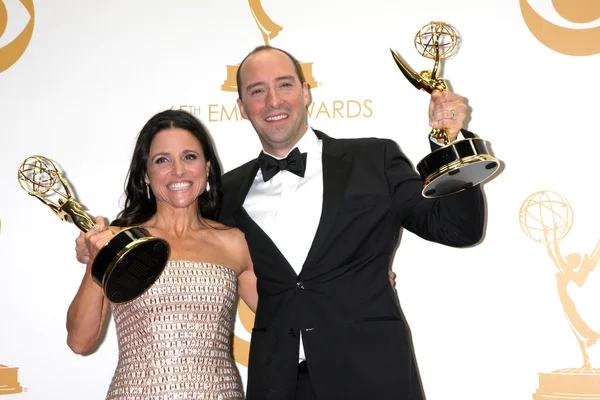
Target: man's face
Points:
(274, 100)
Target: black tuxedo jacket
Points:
(356, 340)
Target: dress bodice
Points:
(175, 339)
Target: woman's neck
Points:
(177, 222)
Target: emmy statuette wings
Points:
(128, 264)
(458, 165)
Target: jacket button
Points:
(300, 285)
(292, 331)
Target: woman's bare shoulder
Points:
(216, 225)
(233, 236)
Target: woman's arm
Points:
(247, 279)
(247, 289)
(86, 314)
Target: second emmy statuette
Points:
(128, 264)
(458, 165)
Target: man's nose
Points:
(273, 99)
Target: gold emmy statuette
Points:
(458, 165)
(547, 217)
(128, 264)
(269, 30)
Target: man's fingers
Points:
(392, 277)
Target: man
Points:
(322, 224)
(322, 239)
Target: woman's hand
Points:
(97, 237)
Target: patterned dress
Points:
(175, 339)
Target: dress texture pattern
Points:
(175, 339)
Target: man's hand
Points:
(392, 277)
(447, 110)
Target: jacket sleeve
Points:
(456, 220)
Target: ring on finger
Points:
(96, 228)
(452, 111)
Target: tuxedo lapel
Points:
(255, 236)
(261, 245)
(335, 175)
(241, 218)
(246, 179)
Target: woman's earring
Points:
(148, 191)
(207, 186)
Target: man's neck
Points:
(284, 151)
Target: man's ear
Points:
(242, 109)
(306, 94)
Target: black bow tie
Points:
(294, 162)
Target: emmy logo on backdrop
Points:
(269, 30)
(9, 383)
(546, 217)
(241, 347)
(128, 264)
(464, 163)
(578, 40)
(11, 52)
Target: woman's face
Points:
(176, 170)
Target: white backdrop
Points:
(485, 320)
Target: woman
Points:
(174, 340)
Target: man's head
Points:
(273, 95)
(258, 49)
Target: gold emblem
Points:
(269, 30)
(569, 41)
(9, 383)
(547, 217)
(10, 53)
(241, 347)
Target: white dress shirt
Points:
(289, 200)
